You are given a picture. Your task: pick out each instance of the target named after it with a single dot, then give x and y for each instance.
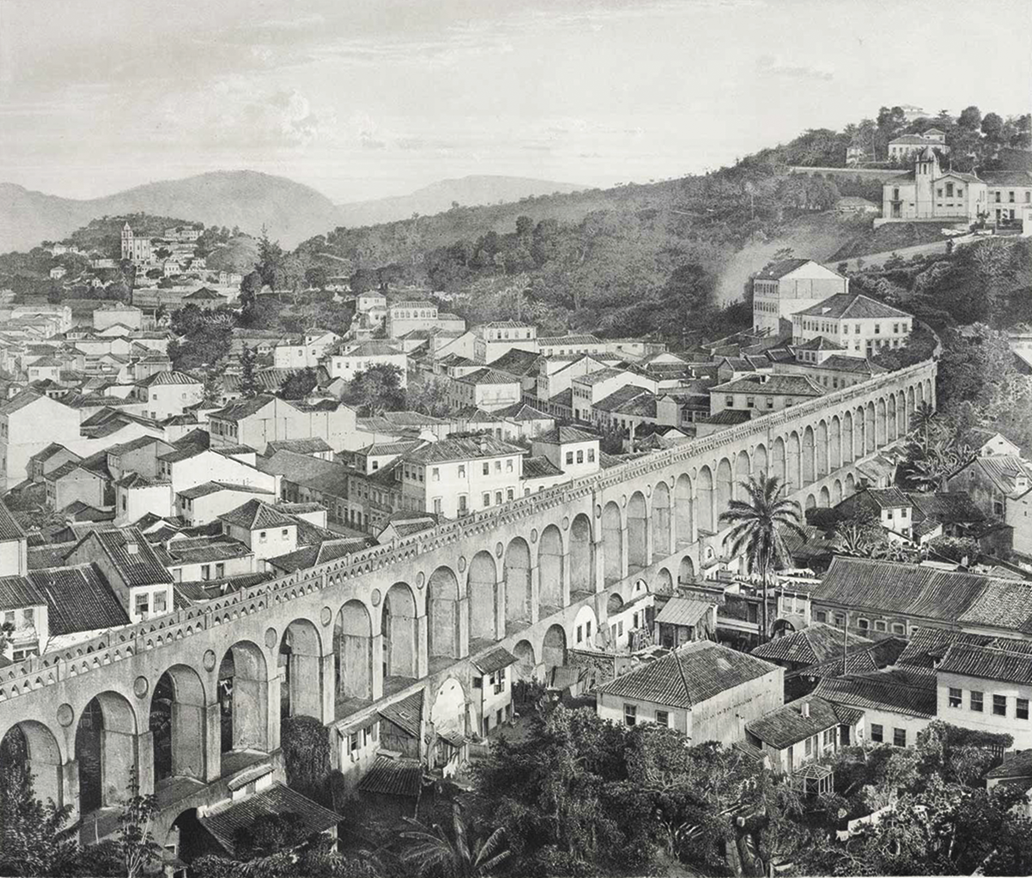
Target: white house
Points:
(862, 326)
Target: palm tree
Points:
(756, 531)
(434, 852)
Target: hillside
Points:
(437, 197)
(246, 199)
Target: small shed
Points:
(684, 620)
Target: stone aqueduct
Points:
(414, 613)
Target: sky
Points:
(367, 98)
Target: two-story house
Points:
(258, 421)
(862, 326)
(266, 531)
(168, 393)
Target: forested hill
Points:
(632, 259)
(658, 257)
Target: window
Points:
(1021, 708)
(462, 503)
(877, 733)
(630, 715)
(956, 697)
(663, 719)
(220, 570)
(569, 458)
(899, 628)
(580, 456)
(580, 633)
(729, 401)
(587, 629)
(462, 470)
(487, 469)
(840, 620)
(283, 534)
(821, 616)
(863, 624)
(487, 500)
(770, 402)
(829, 738)
(498, 466)
(999, 705)
(142, 605)
(976, 701)
(160, 602)
(262, 536)
(498, 498)
(809, 747)
(750, 402)
(591, 455)
(205, 572)
(435, 474)
(899, 737)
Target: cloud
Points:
(234, 112)
(771, 66)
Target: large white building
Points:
(786, 287)
(861, 326)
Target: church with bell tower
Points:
(135, 249)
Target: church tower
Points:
(127, 241)
(926, 172)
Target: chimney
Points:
(806, 708)
(825, 310)
(483, 445)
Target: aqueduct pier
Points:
(341, 640)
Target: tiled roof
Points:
(516, 361)
(227, 824)
(779, 385)
(621, 397)
(709, 669)
(9, 528)
(779, 269)
(820, 343)
(256, 514)
(567, 339)
(539, 468)
(901, 589)
(309, 556)
(241, 408)
(683, 611)
(461, 448)
(183, 453)
(1016, 763)
(815, 643)
(1003, 470)
(894, 691)
(562, 435)
(206, 488)
(67, 468)
(1007, 178)
(406, 713)
(231, 450)
(1000, 661)
(495, 660)
(729, 417)
(162, 378)
(372, 349)
(949, 507)
(487, 376)
(17, 592)
(852, 306)
(788, 725)
(520, 411)
(137, 566)
(310, 445)
(324, 476)
(378, 449)
(26, 397)
(842, 363)
(200, 550)
(78, 599)
(393, 777)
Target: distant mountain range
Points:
(438, 197)
(291, 211)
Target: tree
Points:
(299, 385)
(137, 845)
(433, 852)
(33, 839)
(970, 118)
(756, 530)
(428, 395)
(377, 390)
(248, 379)
(859, 535)
(992, 126)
